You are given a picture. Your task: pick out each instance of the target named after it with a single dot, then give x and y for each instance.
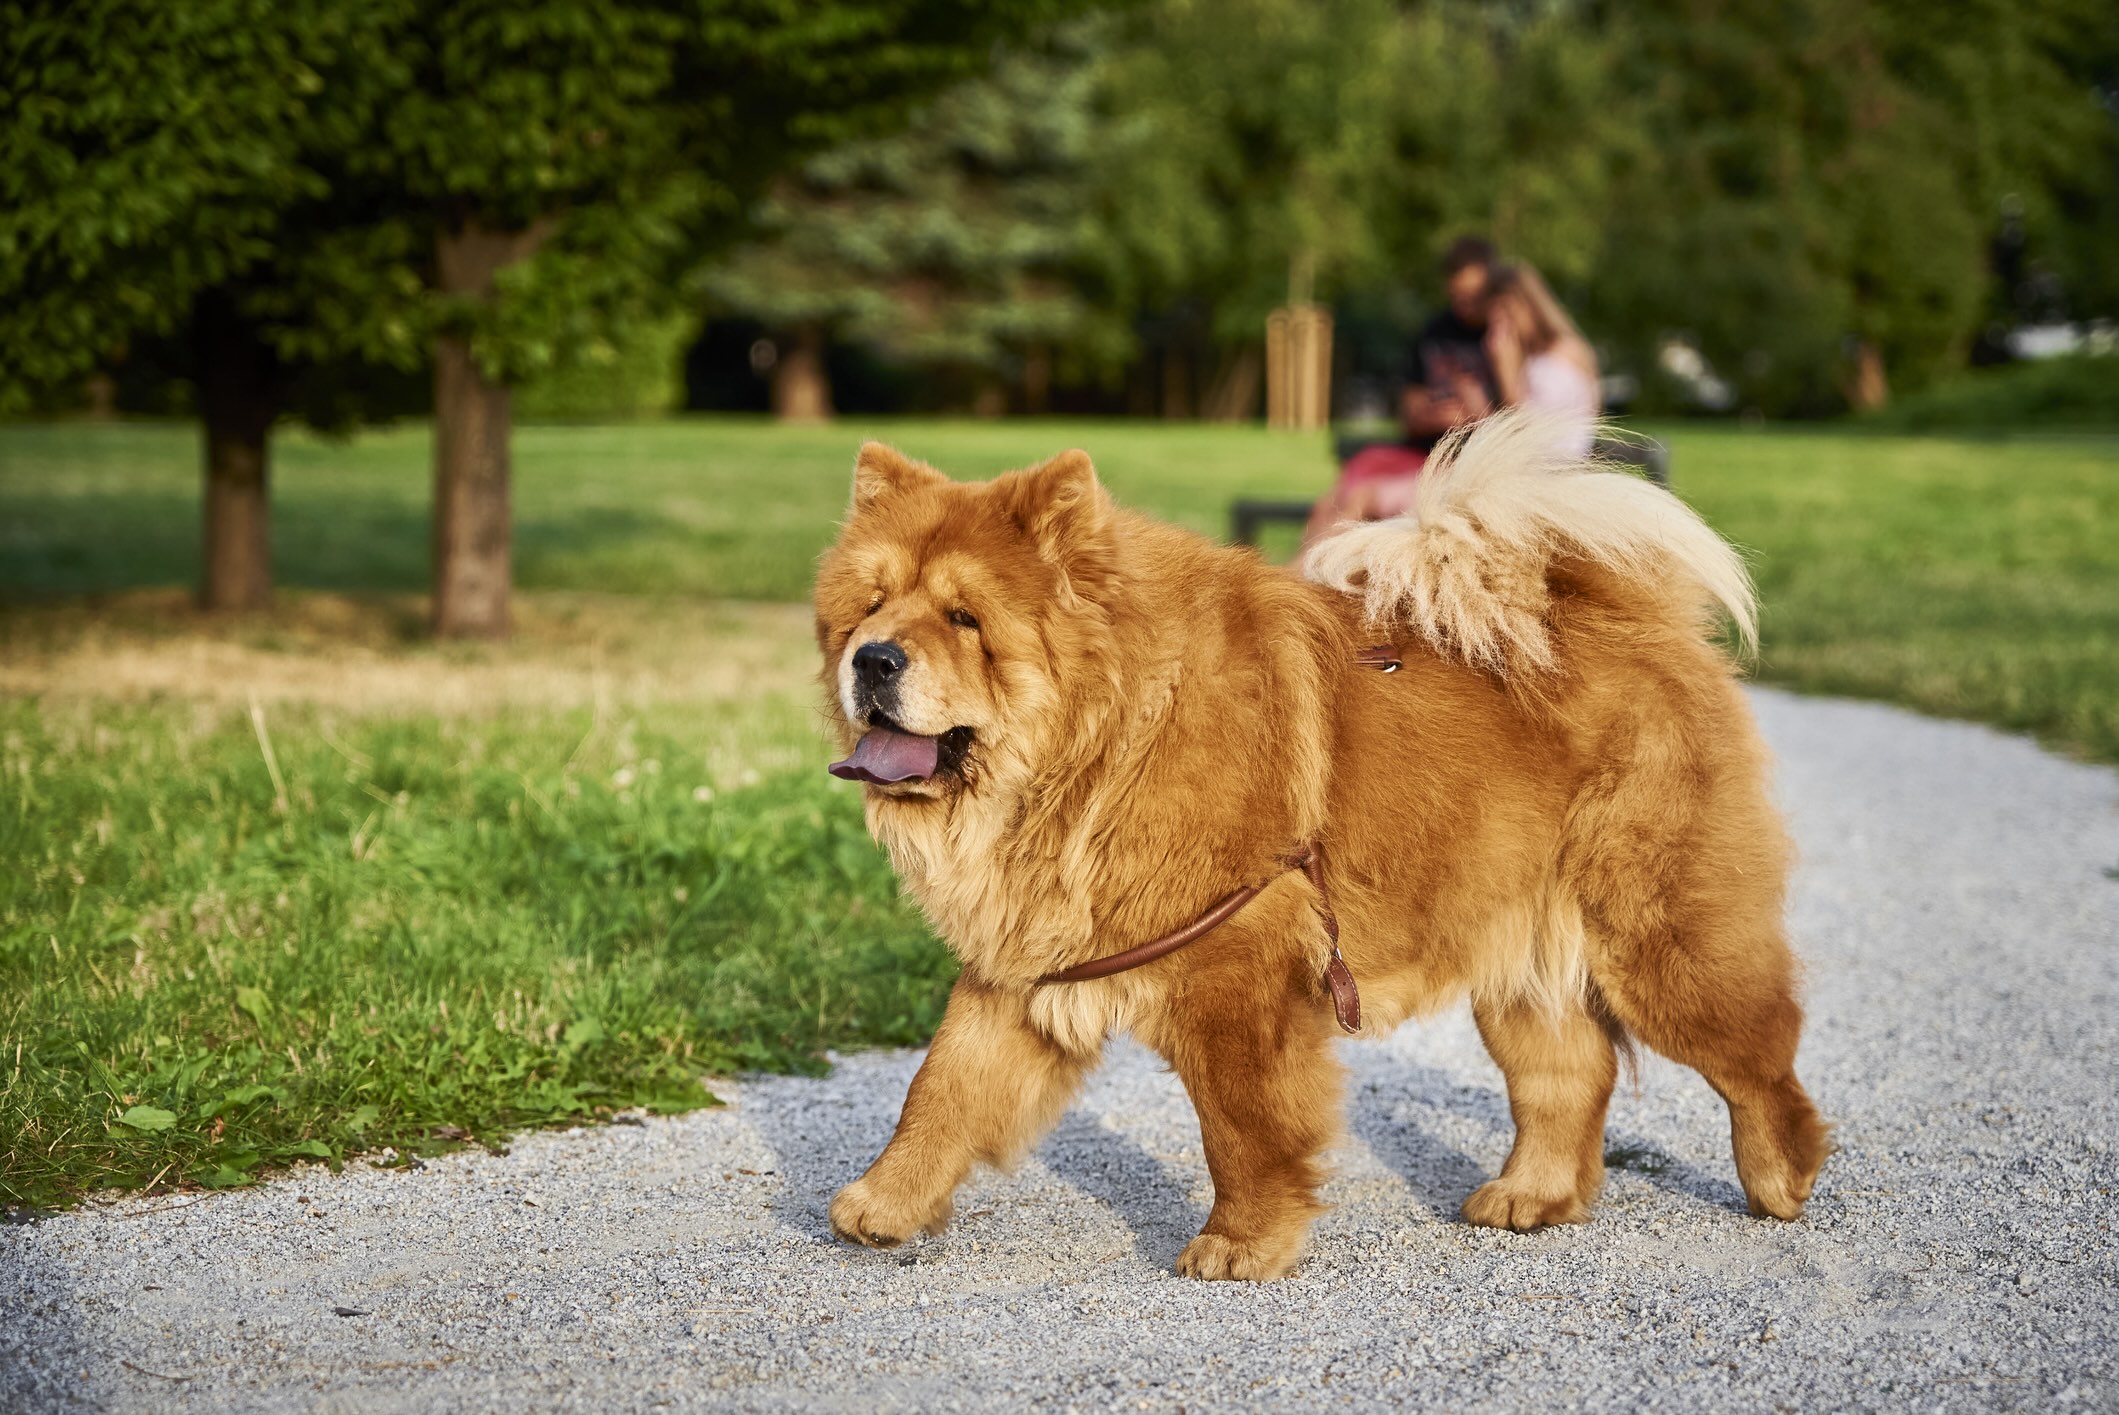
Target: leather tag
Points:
(1346, 998)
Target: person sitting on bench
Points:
(1453, 382)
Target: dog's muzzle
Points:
(878, 668)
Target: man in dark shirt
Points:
(1453, 379)
(1453, 383)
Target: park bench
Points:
(1247, 515)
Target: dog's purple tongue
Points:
(883, 756)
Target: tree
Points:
(126, 187)
(1254, 140)
(959, 244)
(1149, 176)
(1821, 183)
(140, 204)
(1808, 193)
(308, 194)
(568, 159)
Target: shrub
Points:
(2077, 391)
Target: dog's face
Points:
(949, 615)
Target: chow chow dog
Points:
(1082, 729)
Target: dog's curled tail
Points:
(1497, 505)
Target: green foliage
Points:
(1777, 187)
(1251, 134)
(1366, 135)
(1185, 157)
(642, 375)
(1825, 173)
(2080, 391)
(959, 243)
(309, 156)
(458, 928)
(127, 185)
(629, 134)
(161, 155)
(1775, 184)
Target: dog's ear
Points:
(1062, 507)
(881, 471)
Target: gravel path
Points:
(1961, 922)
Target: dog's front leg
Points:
(1267, 1087)
(990, 1087)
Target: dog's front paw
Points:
(1508, 1203)
(866, 1213)
(1212, 1257)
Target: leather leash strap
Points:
(1346, 997)
(1222, 910)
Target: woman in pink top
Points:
(1541, 361)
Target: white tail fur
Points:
(1496, 503)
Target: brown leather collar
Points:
(1346, 997)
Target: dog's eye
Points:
(963, 619)
(876, 603)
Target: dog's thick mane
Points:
(1497, 507)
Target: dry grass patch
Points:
(366, 655)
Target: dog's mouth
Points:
(888, 755)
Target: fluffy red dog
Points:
(1082, 728)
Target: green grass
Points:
(425, 927)
(729, 507)
(1966, 579)
(503, 886)
(1973, 578)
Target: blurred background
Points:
(418, 421)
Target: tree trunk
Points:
(801, 387)
(1177, 384)
(1037, 379)
(1233, 397)
(991, 401)
(238, 401)
(1868, 388)
(101, 394)
(473, 569)
(473, 573)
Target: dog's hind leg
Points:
(1724, 1004)
(1681, 864)
(1266, 1086)
(990, 1087)
(1738, 1028)
(1560, 1066)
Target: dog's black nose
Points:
(876, 664)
